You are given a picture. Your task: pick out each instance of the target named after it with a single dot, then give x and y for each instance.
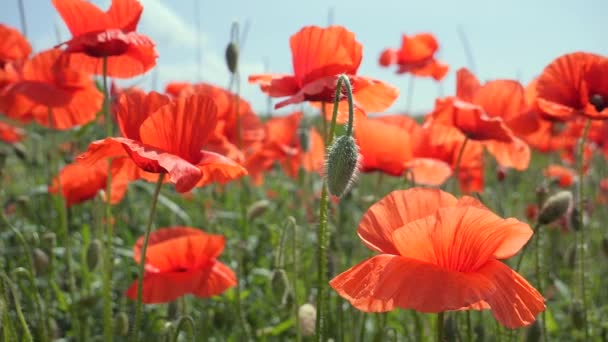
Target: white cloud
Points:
(166, 27)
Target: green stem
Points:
(440, 318)
(536, 229)
(469, 326)
(322, 231)
(184, 321)
(42, 329)
(106, 279)
(142, 262)
(581, 234)
(26, 331)
(458, 162)
(539, 277)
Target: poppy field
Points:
(130, 214)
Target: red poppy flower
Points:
(225, 139)
(311, 160)
(165, 136)
(564, 176)
(181, 261)
(416, 56)
(444, 143)
(80, 183)
(575, 83)
(319, 55)
(49, 82)
(10, 134)
(439, 253)
(385, 146)
(13, 45)
(111, 34)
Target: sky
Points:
(508, 39)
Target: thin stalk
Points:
(539, 278)
(13, 289)
(536, 229)
(440, 319)
(106, 278)
(459, 161)
(23, 21)
(42, 329)
(581, 234)
(142, 262)
(181, 322)
(322, 232)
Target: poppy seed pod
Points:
(307, 315)
(93, 253)
(555, 207)
(232, 56)
(341, 165)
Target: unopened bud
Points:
(232, 56)
(41, 261)
(341, 165)
(93, 254)
(307, 315)
(257, 209)
(555, 207)
(121, 324)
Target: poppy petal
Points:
(184, 252)
(382, 146)
(276, 85)
(394, 211)
(216, 168)
(218, 279)
(371, 95)
(165, 287)
(13, 45)
(182, 127)
(134, 107)
(429, 171)
(319, 52)
(515, 154)
(164, 234)
(466, 84)
(515, 303)
(125, 14)
(81, 16)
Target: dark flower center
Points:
(598, 102)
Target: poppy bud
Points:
(555, 207)
(41, 261)
(307, 315)
(341, 165)
(598, 102)
(49, 240)
(280, 286)
(93, 253)
(232, 56)
(121, 324)
(257, 209)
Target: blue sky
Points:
(509, 39)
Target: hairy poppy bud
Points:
(121, 324)
(307, 315)
(93, 253)
(41, 261)
(341, 165)
(555, 207)
(257, 209)
(232, 56)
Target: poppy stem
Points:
(538, 245)
(109, 236)
(440, 323)
(142, 261)
(581, 233)
(458, 162)
(184, 321)
(523, 251)
(23, 21)
(322, 232)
